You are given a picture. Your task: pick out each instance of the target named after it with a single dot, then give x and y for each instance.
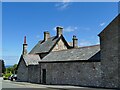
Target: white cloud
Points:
(68, 29)
(102, 24)
(59, 0)
(98, 41)
(84, 43)
(66, 0)
(73, 28)
(54, 28)
(62, 5)
(85, 28)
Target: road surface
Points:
(12, 85)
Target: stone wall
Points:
(34, 73)
(22, 73)
(73, 73)
(119, 47)
(59, 46)
(0, 68)
(109, 55)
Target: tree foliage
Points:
(12, 69)
(3, 67)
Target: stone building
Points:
(0, 68)
(110, 54)
(54, 61)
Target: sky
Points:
(83, 19)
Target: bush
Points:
(5, 76)
(9, 71)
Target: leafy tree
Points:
(12, 69)
(9, 70)
(3, 67)
(15, 68)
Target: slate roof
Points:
(89, 53)
(43, 47)
(31, 59)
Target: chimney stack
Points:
(46, 35)
(24, 39)
(24, 47)
(75, 42)
(59, 31)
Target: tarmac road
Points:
(12, 85)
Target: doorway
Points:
(44, 76)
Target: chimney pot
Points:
(46, 35)
(24, 39)
(75, 42)
(24, 47)
(59, 31)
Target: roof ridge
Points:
(30, 54)
(44, 46)
(90, 46)
(48, 38)
(78, 48)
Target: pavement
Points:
(12, 85)
(0, 83)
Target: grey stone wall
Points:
(119, 47)
(0, 68)
(59, 46)
(22, 73)
(34, 73)
(73, 73)
(109, 55)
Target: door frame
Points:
(43, 76)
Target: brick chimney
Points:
(59, 31)
(75, 42)
(46, 35)
(24, 47)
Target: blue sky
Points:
(85, 20)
